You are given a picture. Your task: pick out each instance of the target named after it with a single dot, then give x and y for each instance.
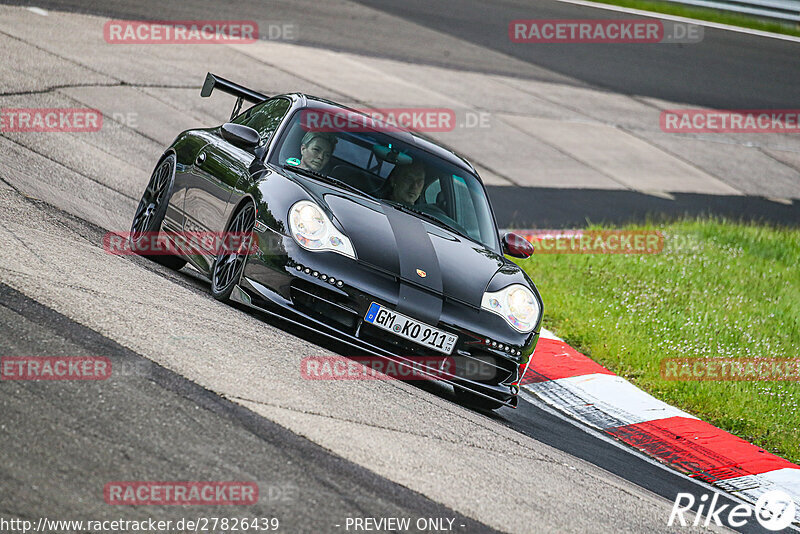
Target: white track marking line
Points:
(602, 436)
(604, 400)
(675, 18)
(38, 11)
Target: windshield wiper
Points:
(428, 217)
(326, 178)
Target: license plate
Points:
(409, 328)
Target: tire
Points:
(153, 208)
(472, 400)
(229, 264)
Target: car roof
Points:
(314, 102)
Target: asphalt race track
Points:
(223, 399)
(727, 70)
(154, 420)
(730, 70)
(168, 411)
(150, 421)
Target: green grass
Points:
(711, 15)
(719, 289)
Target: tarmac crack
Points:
(79, 173)
(63, 58)
(681, 159)
(98, 84)
(42, 206)
(763, 150)
(21, 242)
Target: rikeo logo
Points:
(775, 510)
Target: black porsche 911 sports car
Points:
(372, 235)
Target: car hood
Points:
(425, 256)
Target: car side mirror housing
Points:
(517, 246)
(241, 135)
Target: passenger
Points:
(316, 149)
(406, 183)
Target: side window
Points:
(264, 117)
(432, 191)
(465, 207)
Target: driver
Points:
(316, 149)
(406, 182)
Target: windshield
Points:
(383, 166)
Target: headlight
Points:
(312, 230)
(516, 304)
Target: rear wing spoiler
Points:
(226, 86)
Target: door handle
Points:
(201, 157)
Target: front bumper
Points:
(330, 294)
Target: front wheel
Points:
(229, 263)
(151, 212)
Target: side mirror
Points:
(240, 135)
(516, 245)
